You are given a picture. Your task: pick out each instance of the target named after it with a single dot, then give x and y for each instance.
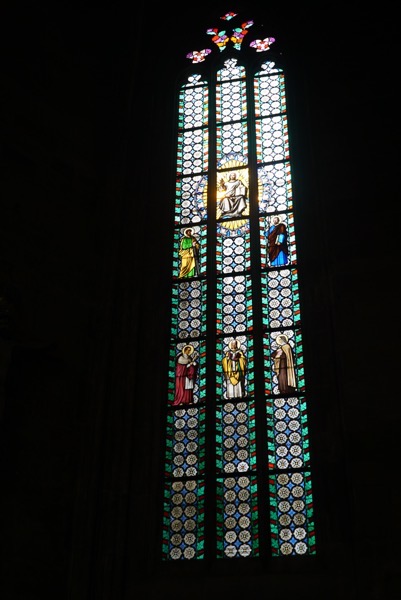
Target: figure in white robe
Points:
(233, 201)
(234, 368)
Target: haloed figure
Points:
(189, 255)
(233, 202)
(277, 243)
(234, 368)
(284, 366)
(186, 371)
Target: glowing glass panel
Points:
(235, 293)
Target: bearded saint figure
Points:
(284, 366)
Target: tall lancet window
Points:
(237, 478)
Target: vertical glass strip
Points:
(237, 529)
(184, 487)
(291, 507)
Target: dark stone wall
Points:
(87, 157)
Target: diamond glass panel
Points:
(237, 513)
(183, 521)
(272, 136)
(235, 437)
(193, 156)
(291, 514)
(232, 141)
(185, 450)
(193, 106)
(231, 101)
(191, 200)
(288, 437)
(233, 248)
(234, 304)
(280, 298)
(269, 95)
(276, 193)
(189, 309)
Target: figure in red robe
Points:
(185, 376)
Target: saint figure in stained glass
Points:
(186, 371)
(233, 199)
(234, 369)
(284, 365)
(277, 241)
(189, 254)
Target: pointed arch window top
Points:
(236, 36)
(193, 80)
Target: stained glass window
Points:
(237, 434)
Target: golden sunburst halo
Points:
(243, 175)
